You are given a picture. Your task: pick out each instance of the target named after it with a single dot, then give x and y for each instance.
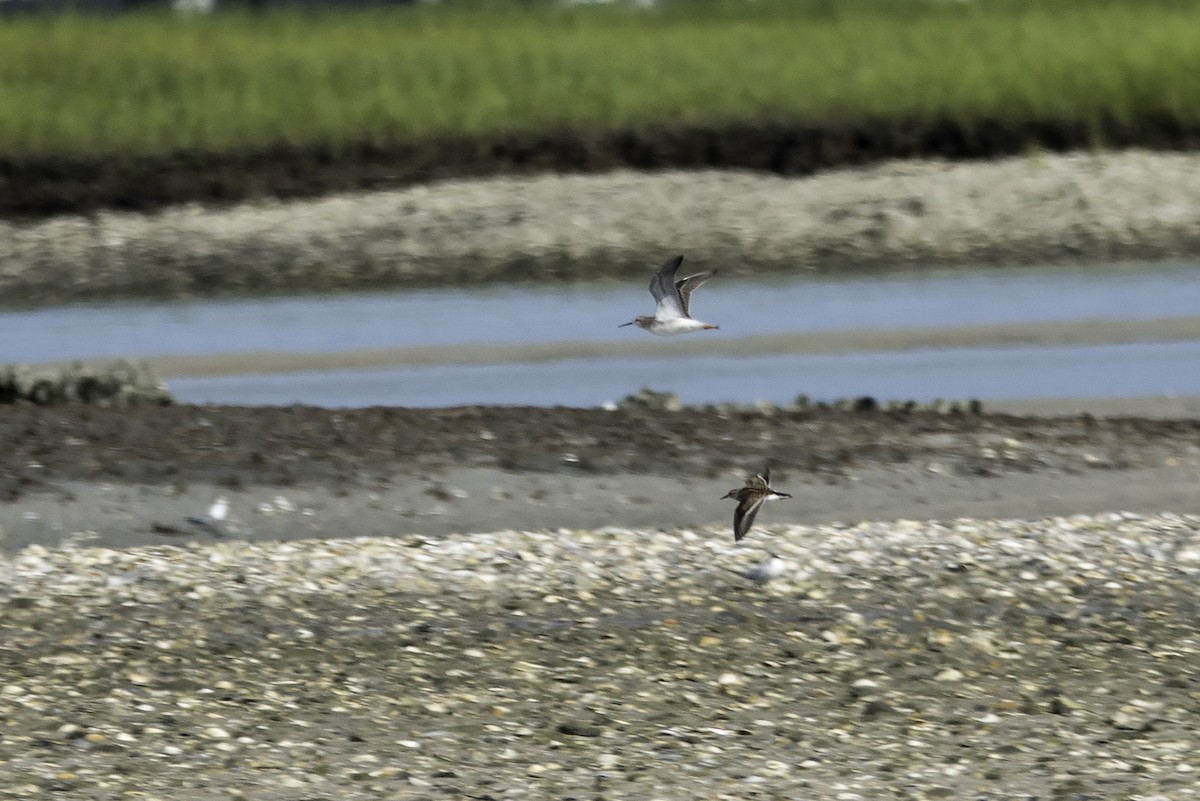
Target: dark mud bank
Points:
(349, 449)
(50, 185)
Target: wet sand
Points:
(132, 476)
(1028, 334)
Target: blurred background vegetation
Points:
(154, 80)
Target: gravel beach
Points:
(999, 659)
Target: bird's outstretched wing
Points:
(662, 287)
(744, 514)
(687, 285)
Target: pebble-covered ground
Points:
(1096, 207)
(1055, 659)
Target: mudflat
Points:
(120, 473)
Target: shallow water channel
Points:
(783, 325)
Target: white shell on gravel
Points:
(365, 668)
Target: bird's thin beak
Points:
(622, 325)
(712, 326)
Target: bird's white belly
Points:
(678, 325)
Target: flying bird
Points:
(671, 315)
(750, 499)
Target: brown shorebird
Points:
(671, 314)
(750, 499)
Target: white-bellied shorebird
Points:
(671, 314)
(214, 520)
(763, 572)
(750, 499)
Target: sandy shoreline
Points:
(459, 502)
(1031, 334)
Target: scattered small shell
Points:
(587, 663)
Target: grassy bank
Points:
(153, 83)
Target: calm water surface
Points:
(591, 314)
(955, 374)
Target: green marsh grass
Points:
(146, 83)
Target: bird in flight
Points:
(671, 315)
(750, 499)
